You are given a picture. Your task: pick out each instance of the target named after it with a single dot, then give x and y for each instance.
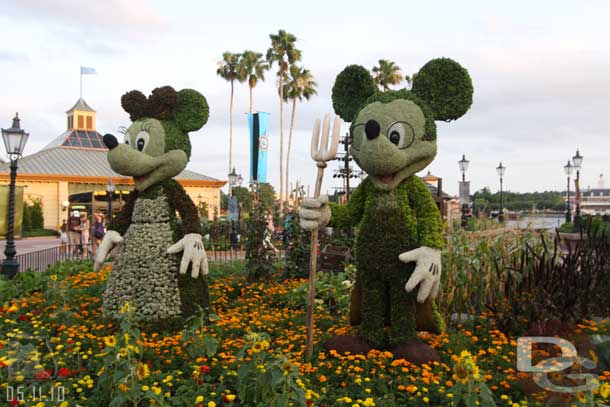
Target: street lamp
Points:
(568, 168)
(234, 179)
(110, 193)
(464, 192)
(501, 170)
(14, 141)
(577, 160)
(463, 163)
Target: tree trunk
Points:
(281, 139)
(251, 88)
(230, 134)
(294, 106)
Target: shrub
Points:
(267, 379)
(33, 218)
(297, 249)
(545, 284)
(259, 255)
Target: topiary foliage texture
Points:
(393, 137)
(159, 214)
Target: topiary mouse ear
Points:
(135, 103)
(353, 86)
(192, 110)
(445, 86)
(162, 102)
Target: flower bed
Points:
(54, 343)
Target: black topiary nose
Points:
(110, 141)
(371, 129)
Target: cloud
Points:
(13, 57)
(96, 27)
(110, 14)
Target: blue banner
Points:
(259, 145)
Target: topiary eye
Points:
(142, 140)
(401, 134)
(395, 137)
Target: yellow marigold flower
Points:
(604, 391)
(145, 388)
(211, 404)
(369, 402)
(54, 277)
(110, 341)
(123, 387)
(142, 371)
(199, 399)
(126, 307)
(230, 397)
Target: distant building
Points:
(73, 169)
(592, 200)
(448, 206)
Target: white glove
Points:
(427, 272)
(111, 239)
(194, 252)
(314, 213)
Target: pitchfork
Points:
(321, 152)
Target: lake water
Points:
(537, 222)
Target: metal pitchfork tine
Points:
(321, 152)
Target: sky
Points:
(540, 71)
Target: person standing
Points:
(74, 233)
(84, 233)
(63, 238)
(99, 230)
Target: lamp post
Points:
(234, 179)
(14, 141)
(110, 193)
(464, 193)
(568, 168)
(577, 160)
(501, 170)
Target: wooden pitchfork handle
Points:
(321, 153)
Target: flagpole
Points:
(81, 83)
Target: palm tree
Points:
(388, 73)
(228, 69)
(252, 68)
(282, 52)
(299, 84)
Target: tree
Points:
(259, 255)
(252, 68)
(266, 194)
(244, 198)
(283, 53)
(228, 69)
(299, 85)
(388, 73)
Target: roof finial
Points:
(16, 122)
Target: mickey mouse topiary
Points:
(145, 272)
(400, 230)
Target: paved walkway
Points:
(33, 244)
